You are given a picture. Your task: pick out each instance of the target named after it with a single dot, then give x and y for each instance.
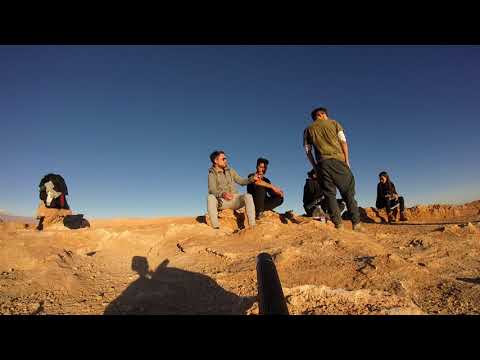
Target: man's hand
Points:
(227, 196)
(256, 178)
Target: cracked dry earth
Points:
(182, 266)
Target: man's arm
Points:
(265, 184)
(345, 152)
(212, 186)
(343, 142)
(307, 145)
(241, 181)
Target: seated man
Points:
(388, 198)
(222, 193)
(313, 197)
(265, 195)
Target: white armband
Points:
(341, 136)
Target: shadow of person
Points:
(172, 291)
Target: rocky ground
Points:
(428, 265)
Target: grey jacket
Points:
(220, 181)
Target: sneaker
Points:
(357, 227)
(391, 219)
(259, 215)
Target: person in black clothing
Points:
(313, 196)
(266, 196)
(53, 191)
(388, 198)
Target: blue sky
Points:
(131, 127)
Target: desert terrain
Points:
(428, 265)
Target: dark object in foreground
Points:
(75, 221)
(270, 294)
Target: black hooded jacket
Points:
(382, 191)
(311, 191)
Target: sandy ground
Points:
(428, 265)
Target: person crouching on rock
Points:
(222, 193)
(265, 195)
(314, 199)
(388, 198)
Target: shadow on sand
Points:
(172, 291)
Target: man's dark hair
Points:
(215, 154)
(262, 161)
(314, 112)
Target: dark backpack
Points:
(59, 185)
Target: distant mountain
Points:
(7, 216)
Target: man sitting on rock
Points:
(265, 195)
(222, 192)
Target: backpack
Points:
(59, 185)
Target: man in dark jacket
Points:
(266, 196)
(388, 198)
(313, 196)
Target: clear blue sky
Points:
(131, 127)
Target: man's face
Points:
(383, 179)
(261, 169)
(322, 115)
(221, 161)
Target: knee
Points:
(211, 199)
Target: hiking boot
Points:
(260, 215)
(339, 226)
(357, 227)
(403, 217)
(391, 219)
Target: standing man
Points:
(265, 195)
(222, 192)
(332, 164)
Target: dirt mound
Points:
(321, 300)
(427, 213)
(234, 221)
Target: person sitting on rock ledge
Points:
(388, 198)
(53, 207)
(266, 196)
(222, 193)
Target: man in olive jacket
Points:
(326, 137)
(222, 192)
